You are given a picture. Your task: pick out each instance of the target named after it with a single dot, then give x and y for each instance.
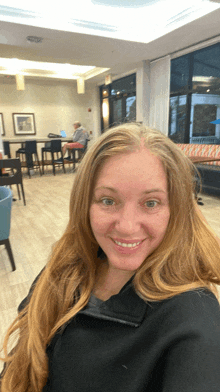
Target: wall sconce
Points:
(80, 86)
(20, 82)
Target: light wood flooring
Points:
(36, 226)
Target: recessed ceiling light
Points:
(34, 39)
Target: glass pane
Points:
(177, 118)
(124, 85)
(179, 74)
(205, 108)
(131, 109)
(117, 111)
(206, 70)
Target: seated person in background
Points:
(128, 299)
(79, 139)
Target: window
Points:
(195, 97)
(120, 98)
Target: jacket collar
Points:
(126, 307)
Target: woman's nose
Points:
(128, 219)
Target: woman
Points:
(127, 301)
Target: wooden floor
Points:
(36, 226)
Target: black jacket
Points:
(127, 345)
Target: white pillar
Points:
(160, 94)
(143, 92)
(96, 114)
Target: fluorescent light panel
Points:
(52, 70)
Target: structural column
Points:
(143, 92)
(160, 94)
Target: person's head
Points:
(133, 159)
(76, 124)
(130, 205)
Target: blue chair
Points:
(5, 221)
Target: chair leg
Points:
(42, 160)
(53, 163)
(22, 190)
(19, 195)
(63, 162)
(10, 254)
(38, 163)
(28, 171)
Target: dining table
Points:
(22, 140)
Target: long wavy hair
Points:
(186, 259)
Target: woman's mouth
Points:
(125, 248)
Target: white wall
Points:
(56, 106)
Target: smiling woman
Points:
(128, 299)
(129, 214)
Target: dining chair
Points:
(14, 177)
(54, 148)
(5, 221)
(30, 151)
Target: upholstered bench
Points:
(210, 171)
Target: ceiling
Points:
(93, 43)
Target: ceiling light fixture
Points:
(34, 39)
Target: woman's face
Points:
(130, 211)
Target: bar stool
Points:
(6, 147)
(81, 153)
(30, 151)
(54, 148)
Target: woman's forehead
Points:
(133, 168)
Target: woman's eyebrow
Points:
(115, 190)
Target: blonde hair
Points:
(186, 259)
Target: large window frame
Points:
(187, 88)
(119, 90)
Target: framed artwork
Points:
(24, 124)
(2, 128)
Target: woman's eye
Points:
(151, 203)
(107, 202)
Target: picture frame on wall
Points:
(2, 128)
(24, 123)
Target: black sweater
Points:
(127, 345)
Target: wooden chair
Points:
(5, 221)
(15, 178)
